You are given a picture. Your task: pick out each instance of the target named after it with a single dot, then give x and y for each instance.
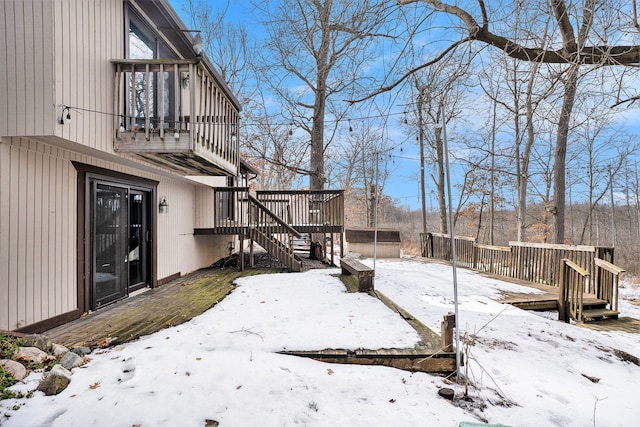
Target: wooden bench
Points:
(363, 273)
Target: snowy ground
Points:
(527, 369)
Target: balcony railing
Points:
(175, 113)
(307, 211)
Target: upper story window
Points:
(141, 46)
(143, 42)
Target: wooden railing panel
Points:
(534, 262)
(573, 281)
(607, 282)
(494, 259)
(231, 210)
(199, 115)
(307, 211)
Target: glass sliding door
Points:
(109, 232)
(139, 238)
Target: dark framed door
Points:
(120, 240)
(139, 239)
(109, 242)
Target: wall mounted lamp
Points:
(163, 207)
(68, 110)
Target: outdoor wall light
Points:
(176, 134)
(68, 110)
(163, 207)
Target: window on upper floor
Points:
(142, 42)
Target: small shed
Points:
(360, 241)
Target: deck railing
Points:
(305, 210)
(231, 209)
(272, 233)
(607, 278)
(169, 106)
(534, 262)
(493, 259)
(574, 281)
(308, 211)
(541, 262)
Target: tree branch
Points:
(411, 72)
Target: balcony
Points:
(176, 113)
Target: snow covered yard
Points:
(525, 369)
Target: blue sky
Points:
(403, 182)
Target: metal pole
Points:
(453, 244)
(375, 224)
(613, 210)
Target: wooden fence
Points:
(534, 262)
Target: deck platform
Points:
(171, 304)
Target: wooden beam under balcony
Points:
(174, 153)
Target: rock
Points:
(447, 393)
(56, 380)
(31, 355)
(81, 351)
(71, 360)
(38, 341)
(13, 368)
(58, 350)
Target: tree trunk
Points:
(316, 159)
(422, 177)
(440, 183)
(559, 168)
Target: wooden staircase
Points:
(277, 249)
(273, 234)
(576, 303)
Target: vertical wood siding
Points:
(88, 35)
(38, 197)
(179, 251)
(26, 88)
(37, 233)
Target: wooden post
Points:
(332, 250)
(241, 254)
(446, 328)
(252, 262)
(562, 298)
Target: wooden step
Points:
(599, 313)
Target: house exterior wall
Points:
(38, 217)
(27, 89)
(59, 52)
(37, 232)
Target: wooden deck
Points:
(148, 312)
(191, 295)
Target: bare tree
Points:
(586, 34)
(363, 157)
(430, 87)
(317, 49)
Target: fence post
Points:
(446, 330)
(562, 297)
